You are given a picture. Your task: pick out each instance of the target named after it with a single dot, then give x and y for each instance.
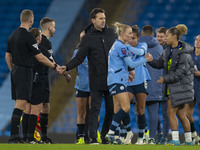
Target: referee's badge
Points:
(121, 87)
(36, 46)
(145, 85)
(50, 51)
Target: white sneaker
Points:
(140, 141)
(151, 141)
(196, 140)
(111, 138)
(122, 139)
(146, 137)
(128, 137)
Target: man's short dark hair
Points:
(147, 30)
(95, 11)
(162, 30)
(44, 21)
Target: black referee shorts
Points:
(80, 93)
(21, 82)
(40, 90)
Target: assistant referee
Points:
(21, 49)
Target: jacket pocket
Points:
(118, 70)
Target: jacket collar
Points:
(91, 29)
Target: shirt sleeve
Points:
(33, 46)
(80, 55)
(140, 50)
(137, 62)
(122, 51)
(8, 48)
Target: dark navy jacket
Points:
(153, 88)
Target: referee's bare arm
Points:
(44, 60)
(9, 62)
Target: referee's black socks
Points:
(16, 116)
(25, 126)
(44, 124)
(81, 130)
(31, 126)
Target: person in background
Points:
(162, 133)
(39, 91)
(138, 87)
(95, 45)
(82, 96)
(118, 77)
(153, 88)
(190, 107)
(48, 29)
(178, 65)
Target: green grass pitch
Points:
(92, 147)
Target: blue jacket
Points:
(82, 79)
(141, 72)
(153, 88)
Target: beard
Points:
(52, 33)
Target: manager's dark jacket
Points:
(95, 45)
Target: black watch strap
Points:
(55, 65)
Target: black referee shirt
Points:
(46, 44)
(40, 68)
(23, 47)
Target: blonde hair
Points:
(120, 28)
(179, 30)
(26, 15)
(182, 28)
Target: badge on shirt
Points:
(123, 51)
(35, 46)
(50, 51)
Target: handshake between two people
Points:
(62, 71)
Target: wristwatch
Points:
(55, 65)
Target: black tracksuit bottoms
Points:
(96, 100)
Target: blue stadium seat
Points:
(9, 16)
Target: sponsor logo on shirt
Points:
(123, 51)
(121, 87)
(35, 46)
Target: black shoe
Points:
(47, 141)
(94, 141)
(104, 140)
(32, 141)
(87, 140)
(16, 140)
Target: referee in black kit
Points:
(21, 49)
(48, 29)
